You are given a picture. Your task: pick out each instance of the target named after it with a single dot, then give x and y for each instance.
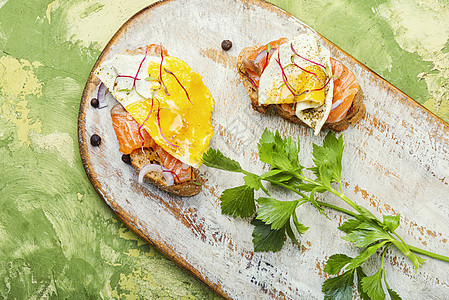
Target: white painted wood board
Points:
(395, 161)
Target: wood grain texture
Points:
(395, 161)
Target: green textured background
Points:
(57, 237)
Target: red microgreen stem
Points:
(266, 62)
(314, 90)
(296, 53)
(173, 173)
(171, 73)
(304, 70)
(284, 77)
(160, 129)
(140, 66)
(249, 78)
(127, 76)
(160, 75)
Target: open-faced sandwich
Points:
(163, 119)
(301, 80)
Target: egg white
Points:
(126, 64)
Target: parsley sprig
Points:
(274, 219)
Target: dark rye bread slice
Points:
(355, 112)
(190, 188)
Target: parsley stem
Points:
(265, 190)
(412, 248)
(383, 256)
(286, 186)
(338, 208)
(346, 199)
(382, 265)
(428, 253)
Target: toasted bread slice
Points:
(355, 112)
(190, 188)
(252, 90)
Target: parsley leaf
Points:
(391, 222)
(339, 288)
(366, 234)
(273, 217)
(393, 295)
(335, 263)
(253, 181)
(215, 159)
(360, 276)
(350, 225)
(372, 285)
(301, 228)
(364, 255)
(266, 239)
(278, 152)
(275, 212)
(290, 233)
(327, 159)
(366, 213)
(277, 175)
(238, 201)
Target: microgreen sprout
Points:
(171, 73)
(268, 54)
(249, 78)
(160, 75)
(134, 87)
(151, 78)
(127, 76)
(304, 70)
(284, 77)
(140, 66)
(310, 61)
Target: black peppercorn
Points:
(94, 102)
(95, 140)
(226, 45)
(126, 158)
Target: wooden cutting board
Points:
(395, 161)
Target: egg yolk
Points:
(309, 86)
(179, 124)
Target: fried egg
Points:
(177, 116)
(299, 72)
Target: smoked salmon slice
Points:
(127, 131)
(183, 171)
(345, 89)
(129, 139)
(260, 58)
